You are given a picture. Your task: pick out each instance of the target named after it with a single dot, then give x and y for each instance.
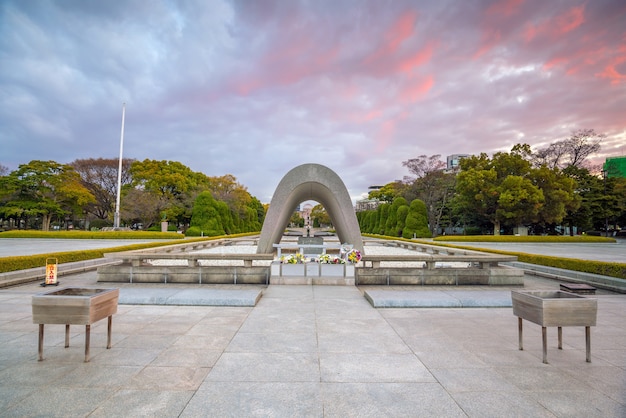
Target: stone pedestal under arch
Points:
(310, 182)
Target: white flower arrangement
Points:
(296, 258)
(329, 259)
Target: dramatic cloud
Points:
(254, 88)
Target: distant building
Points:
(366, 204)
(615, 167)
(305, 212)
(454, 159)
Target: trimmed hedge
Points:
(23, 262)
(603, 268)
(90, 234)
(525, 238)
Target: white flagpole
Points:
(116, 219)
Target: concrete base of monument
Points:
(312, 274)
(312, 280)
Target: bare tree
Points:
(431, 185)
(423, 165)
(570, 152)
(99, 176)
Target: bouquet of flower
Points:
(324, 259)
(328, 259)
(296, 258)
(354, 256)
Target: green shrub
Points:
(416, 223)
(193, 231)
(525, 238)
(472, 230)
(91, 234)
(23, 262)
(100, 223)
(603, 268)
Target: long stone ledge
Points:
(190, 297)
(490, 276)
(439, 299)
(138, 259)
(431, 259)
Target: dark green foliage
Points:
(405, 220)
(213, 217)
(91, 234)
(416, 221)
(391, 226)
(403, 212)
(383, 212)
(207, 213)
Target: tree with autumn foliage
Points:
(319, 216)
(168, 190)
(248, 212)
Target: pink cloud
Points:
(384, 136)
(504, 8)
(570, 20)
(417, 90)
(530, 32)
(490, 39)
(372, 115)
(245, 87)
(555, 62)
(611, 72)
(493, 18)
(400, 31)
(557, 26)
(408, 65)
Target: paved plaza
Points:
(310, 351)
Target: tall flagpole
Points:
(116, 219)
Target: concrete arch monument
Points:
(310, 182)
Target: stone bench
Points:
(483, 260)
(138, 259)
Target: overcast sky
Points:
(255, 88)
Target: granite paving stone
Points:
(314, 351)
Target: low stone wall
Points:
(490, 276)
(428, 265)
(127, 273)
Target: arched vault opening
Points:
(310, 182)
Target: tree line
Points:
(543, 190)
(83, 194)
(549, 191)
